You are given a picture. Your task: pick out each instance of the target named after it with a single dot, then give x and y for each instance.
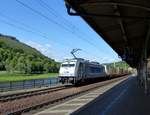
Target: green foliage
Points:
(5, 76)
(120, 64)
(16, 57)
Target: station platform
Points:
(126, 98)
(73, 106)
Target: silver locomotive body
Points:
(79, 70)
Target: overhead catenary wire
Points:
(56, 14)
(27, 28)
(21, 23)
(42, 16)
(17, 27)
(20, 28)
(68, 23)
(54, 22)
(72, 26)
(23, 29)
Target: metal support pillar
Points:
(139, 76)
(142, 71)
(144, 60)
(145, 72)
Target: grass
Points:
(6, 77)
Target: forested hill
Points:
(17, 57)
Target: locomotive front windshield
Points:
(67, 65)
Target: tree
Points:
(18, 57)
(33, 67)
(21, 67)
(39, 67)
(2, 66)
(7, 66)
(28, 66)
(47, 67)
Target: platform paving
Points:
(126, 98)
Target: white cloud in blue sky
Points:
(44, 49)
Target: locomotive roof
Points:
(75, 59)
(81, 60)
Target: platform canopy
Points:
(123, 24)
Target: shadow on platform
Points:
(126, 98)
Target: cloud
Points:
(44, 49)
(49, 51)
(105, 59)
(48, 45)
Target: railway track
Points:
(27, 102)
(10, 97)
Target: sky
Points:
(46, 26)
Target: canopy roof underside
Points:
(123, 24)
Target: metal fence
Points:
(27, 84)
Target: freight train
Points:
(78, 70)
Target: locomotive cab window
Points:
(68, 65)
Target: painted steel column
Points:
(145, 72)
(139, 76)
(144, 60)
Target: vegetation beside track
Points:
(120, 64)
(7, 77)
